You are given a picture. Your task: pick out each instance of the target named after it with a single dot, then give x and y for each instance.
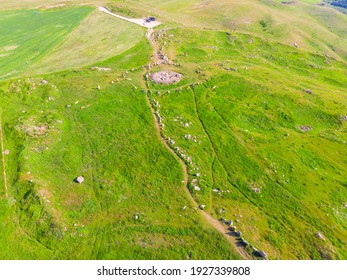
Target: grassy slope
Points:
(247, 137)
(42, 4)
(97, 38)
(312, 27)
(26, 36)
(247, 132)
(127, 172)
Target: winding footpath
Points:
(3, 159)
(217, 225)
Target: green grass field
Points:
(261, 121)
(246, 123)
(97, 38)
(312, 27)
(28, 35)
(93, 133)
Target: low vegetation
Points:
(259, 122)
(28, 35)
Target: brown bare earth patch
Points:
(166, 77)
(45, 194)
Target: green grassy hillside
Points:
(258, 120)
(97, 38)
(281, 184)
(311, 27)
(130, 205)
(27, 36)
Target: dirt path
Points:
(150, 37)
(217, 225)
(139, 21)
(212, 221)
(158, 56)
(3, 159)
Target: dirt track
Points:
(138, 21)
(217, 225)
(212, 221)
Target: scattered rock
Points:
(254, 187)
(6, 152)
(319, 235)
(232, 228)
(79, 179)
(166, 77)
(228, 69)
(99, 68)
(308, 91)
(262, 254)
(244, 242)
(288, 2)
(238, 233)
(305, 128)
(44, 82)
(202, 206)
(196, 188)
(344, 118)
(229, 223)
(296, 45)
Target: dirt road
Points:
(138, 21)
